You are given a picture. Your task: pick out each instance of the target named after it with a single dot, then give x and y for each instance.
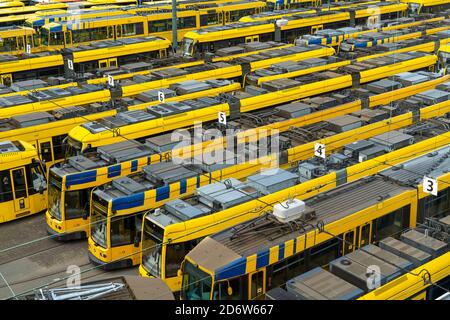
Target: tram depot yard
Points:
(258, 150)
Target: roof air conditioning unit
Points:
(289, 210)
(281, 23)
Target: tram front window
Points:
(72, 147)
(196, 284)
(188, 45)
(123, 230)
(98, 224)
(76, 203)
(54, 196)
(152, 248)
(44, 37)
(414, 8)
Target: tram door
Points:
(348, 242)
(6, 79)
(163, 53)
(30, 41)
(365, 234)
(226, 18)
(19, 183)
(45, 150)
(257, 287)
(110, 32)
(20, 43)
(118, 32)
(68, 39)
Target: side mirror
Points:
(229, 290)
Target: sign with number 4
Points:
(222, 116)
(161, 97)
(319, 150)
(430, 185)
(28, 49)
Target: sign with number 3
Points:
(430, 185)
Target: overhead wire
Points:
(267, 204)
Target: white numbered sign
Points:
(161, 97)
(70, 64)
(111, 81)
(222, 117)
(319, 150)
(430, 185)
(28, 49)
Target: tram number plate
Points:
(161, 97)
(430, 185)
(70, 64)
(222, 117)
(319, 150)
(110, 81)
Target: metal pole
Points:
(174, 25)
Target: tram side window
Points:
(123, 230)
(284, 270)
(98, 33)
(132, 29)
(392, 224)
(238, 286)
(237, 14)
(5, 186)
(159, 25)
(234, 16)
(58, 146)
(8, 44)
(210, 19)
(57, 38)
(185, 23)
(442, 287)
(432, 206)
(322, 254)
(35, 178)
(175, 254)
(79, 36)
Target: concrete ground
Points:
(30, 259)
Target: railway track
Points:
(40, 260)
